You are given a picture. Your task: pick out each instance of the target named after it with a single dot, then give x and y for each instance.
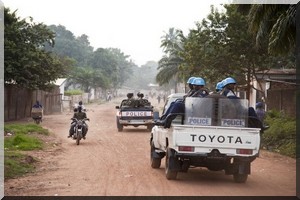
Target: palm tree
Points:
(171, 61)
(277, 22)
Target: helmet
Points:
(129, 95)
(190, 79)
(259, 105)
(219, 86)
(228, 80)
(80, 103)
(198, 81)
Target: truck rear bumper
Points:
(136, 122)
(201, 158)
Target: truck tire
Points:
(240, 178)
(155, 162)
(171, 175)
(119, 126)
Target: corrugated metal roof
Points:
(60, 81)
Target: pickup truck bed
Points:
(134, 116)
(212, 133)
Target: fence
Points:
(283, 100)
(19, 101)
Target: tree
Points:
(169, 65)
(67, 45)
(26, 63)
(276, 22)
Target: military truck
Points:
(215, 133)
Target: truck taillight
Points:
(244, 151)
(186, 148)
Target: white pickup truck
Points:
(212, 133)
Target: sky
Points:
(133, 26)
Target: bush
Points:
(73, 92)
(281, 136)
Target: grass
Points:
(25, 129)
(16, 161)
(15, 165)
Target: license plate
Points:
(136, 114)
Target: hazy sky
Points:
(134, 26)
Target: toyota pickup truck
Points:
(135, 115)
(213, 133)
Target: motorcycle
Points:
(78, 129)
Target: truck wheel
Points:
(171, 175)
(119, 126)
(240, 178)
(155, 162)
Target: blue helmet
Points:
(190, 79)
(198, 81)
(228, 80)
(219, 86)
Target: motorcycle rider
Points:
(37, 105)
(79, 116)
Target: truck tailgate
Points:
(226, 139)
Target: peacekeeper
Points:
(179, 107)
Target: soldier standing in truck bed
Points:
(142, 102)
(130, 101)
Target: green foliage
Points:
(25, 129)
(73, 92)
(169, 64)
(275, 24)
(22, 142)
(23, 139)
(105, 67)
(15, 164)
(281, 136)
(26, 62)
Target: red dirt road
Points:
(112, 163)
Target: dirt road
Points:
(111, 163)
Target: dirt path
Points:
(110, 163)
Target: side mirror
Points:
(117, 107)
